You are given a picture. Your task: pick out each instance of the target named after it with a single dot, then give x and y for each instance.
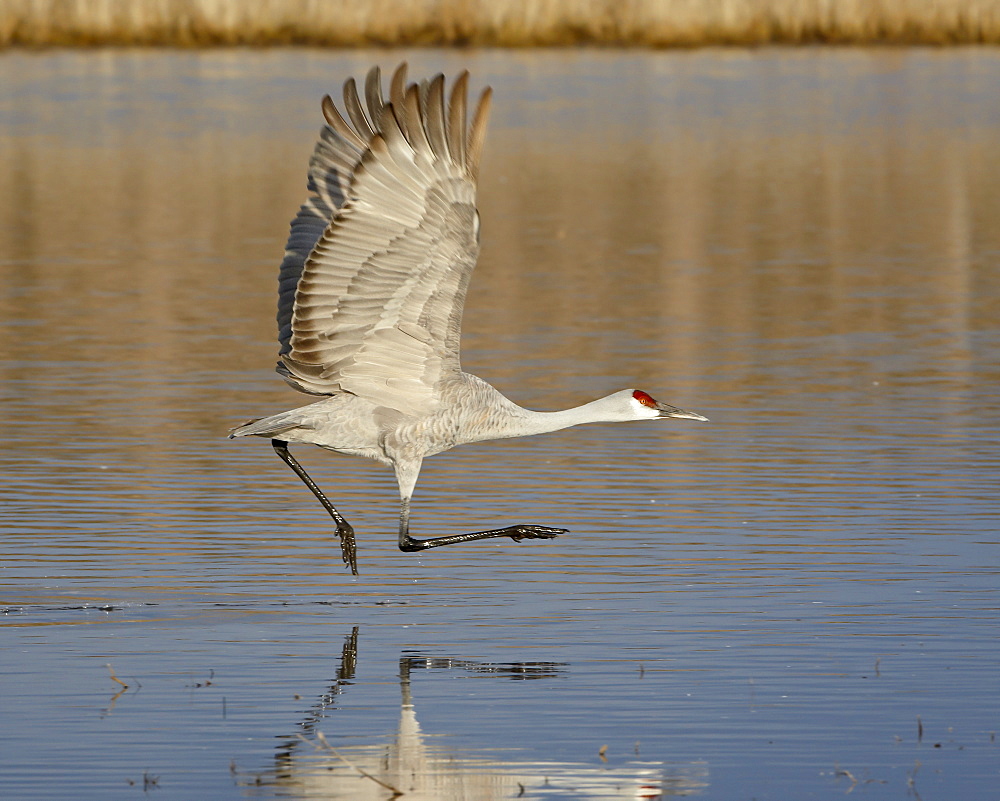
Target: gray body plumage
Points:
(468, 410)
(371, 293)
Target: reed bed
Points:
(503, 23)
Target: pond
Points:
(796, 600)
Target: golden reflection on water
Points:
(768, 232)
(145, 248)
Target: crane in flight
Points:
(370, 299)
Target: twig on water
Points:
(842, 772)
(911, 780)
(117, 695)
(111, 670)
(324, 745)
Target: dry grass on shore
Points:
(511, 23)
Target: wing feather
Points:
(373, 93)
(418, 137)
(353, 105)
(330, 170)
(386, 249)
(477, 135)
(397, 91)
(435, 125)
(456, 118)
(339, 124)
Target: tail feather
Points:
(266, 426)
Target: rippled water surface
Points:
(797, 600)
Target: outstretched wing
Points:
(379, 259)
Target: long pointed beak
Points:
(673, 411)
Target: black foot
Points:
(348, 549)
(524, 531)
(529, 532)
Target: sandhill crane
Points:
(370, 300)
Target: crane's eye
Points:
(644, 399)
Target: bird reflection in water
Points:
(420, 767)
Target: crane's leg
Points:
(344, 530)
(517, 533)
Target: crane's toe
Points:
(348, 548)
(530, 532)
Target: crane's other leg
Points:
(348, 548)
(406, 475)
(517, 533)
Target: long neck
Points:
(489, 415)
(515, 421)
(544, 422)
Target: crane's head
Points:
(647, 407)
